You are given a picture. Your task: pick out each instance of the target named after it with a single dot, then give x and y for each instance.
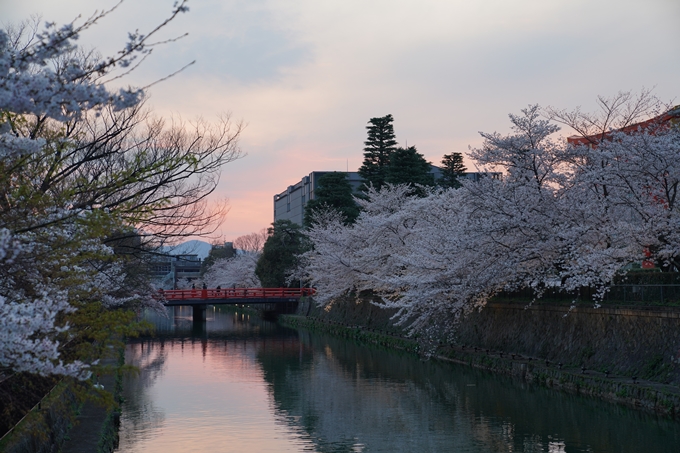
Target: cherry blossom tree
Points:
(238, 271)
(451, 250)
(563, 216)
(631, 180)
(86, 170)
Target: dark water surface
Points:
(240, 384)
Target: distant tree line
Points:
(386, 163)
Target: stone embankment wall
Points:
(641, 342)
(625, 355)
(352, 313)
(67, 421)
(44, 429)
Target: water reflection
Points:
(143, 416)
(385, 401)
(234, 383)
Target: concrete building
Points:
(290, 204)
(167, 270)
(477, 175)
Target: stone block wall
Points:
(641, 342)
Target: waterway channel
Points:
(237, 383)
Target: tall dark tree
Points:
(452, 170)
(408, 166)
(279, 257)
(334, 191)
(377, 151)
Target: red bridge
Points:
(200, 298)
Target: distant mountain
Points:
(194, 247)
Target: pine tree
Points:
(379, 148)
(452, 169)
(334, 191)
(408, 166)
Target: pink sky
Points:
(307, 75)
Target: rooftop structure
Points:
(671, 117)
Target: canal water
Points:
(240, 384)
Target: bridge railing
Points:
(235, 293)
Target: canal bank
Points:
(619, 354)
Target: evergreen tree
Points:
(334, 191)
(279, 257)
(408, 166)
(452, 169)
(379, 148)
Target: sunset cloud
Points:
(307, 75)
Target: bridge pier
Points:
(199, 312)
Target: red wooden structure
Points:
(214, 294)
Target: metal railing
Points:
(636, 294)
(235, 293)
(623, 294)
